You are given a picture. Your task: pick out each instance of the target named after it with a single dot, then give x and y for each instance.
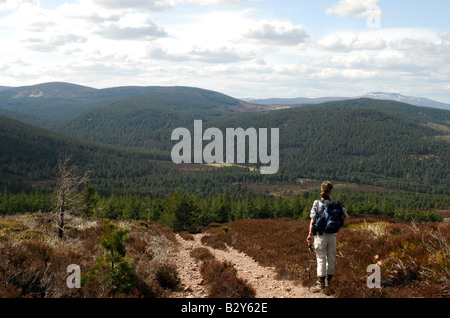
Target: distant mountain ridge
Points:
(374, 142)
(59, 101)
(47, 90)
(3, 88)
(56, 99)
(415, 101)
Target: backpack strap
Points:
(319, 214)
(325, 202)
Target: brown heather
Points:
(223, 281)
(221, 277)
(33, 260)
(413, 257)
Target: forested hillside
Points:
(51, 102)
(56, 103)
(147, 121)
(28, 156)
(399, 150)
(364, 141)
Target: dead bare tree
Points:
(67, 195)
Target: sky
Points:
(242, 48)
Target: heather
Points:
(136, 258)
(413, 257)
(117, 259)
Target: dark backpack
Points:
(331, 219)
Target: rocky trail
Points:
(262, 279)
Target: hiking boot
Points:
(320, 285)
(328, 280)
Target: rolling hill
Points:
(55, 103)
(149, 114)
(28, 156)
(2, 88)
(364, 141)
(381, 143)
(412, 100)
(50, 102)
(415, 101)
(370, 141)
(396, 157)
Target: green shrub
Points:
(114, 270)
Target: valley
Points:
(122, 136)
(389, 162)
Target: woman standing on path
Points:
(324, 243)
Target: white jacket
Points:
(318, 208)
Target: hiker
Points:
(325, 240)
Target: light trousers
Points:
(325, 247)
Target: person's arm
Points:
(346, 217)
(310, 238)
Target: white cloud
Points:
(277, 32)
(215, 2)
(52, 43)
(354, 8)
(445, 37)
(14, 4)
(150, 5)
(346, 42)
(116, 32)
(158, 53)
(160, 5)
(207, 32)
(222, 55)
(230, 48)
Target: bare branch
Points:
(67, 195)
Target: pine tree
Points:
(115, 268)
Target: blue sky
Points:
(243, 48)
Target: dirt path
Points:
(262, 279)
